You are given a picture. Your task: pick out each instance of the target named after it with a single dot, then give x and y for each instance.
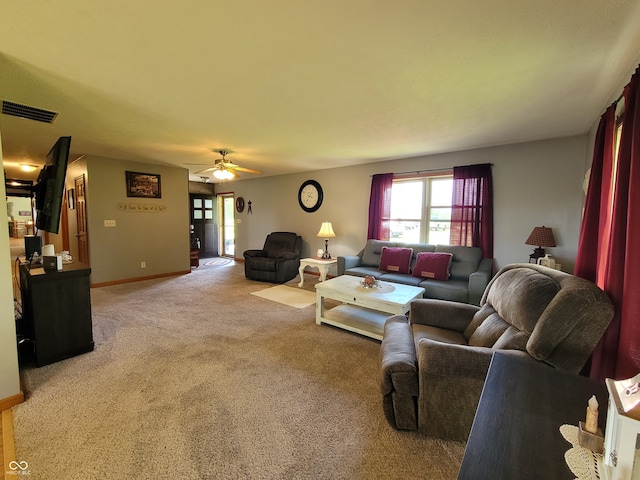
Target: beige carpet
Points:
(291, 296)
(194, 378)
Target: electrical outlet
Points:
(109, 223)
(143, 264)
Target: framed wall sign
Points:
(146, 185)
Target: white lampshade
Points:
(326, 230)
(223, 174)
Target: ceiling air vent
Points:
(25, 111)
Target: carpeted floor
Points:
(194, 378)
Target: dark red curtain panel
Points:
(472, 208)
(380, 206)
(617, 268)
(593, 241)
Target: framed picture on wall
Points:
(146, 185)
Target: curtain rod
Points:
(434, 170)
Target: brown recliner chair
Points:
(434, 362)
(278, 261)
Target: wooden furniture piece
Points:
(515, 433)
(321, 264)
(56, 311)
(363, 310)
(195, 258)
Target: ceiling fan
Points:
(224, 169)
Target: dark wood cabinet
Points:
(56, 311)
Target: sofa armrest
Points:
(479, 280)
(346, 262)
(442, 313)
(398, 357)
(254, 253)
(399, 380)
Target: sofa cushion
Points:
(372, 252)
(396, 259)
(465, 261)
(432, 265)
(364, 271)
(453, 290)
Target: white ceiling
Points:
(294, 85)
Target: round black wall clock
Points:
(310, 196)
(240, 204)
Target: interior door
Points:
(81, 220)
(203, 227)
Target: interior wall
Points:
(158, 236)
(535, 184)
(9, 375)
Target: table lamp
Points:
(542, 237)
(326, 232)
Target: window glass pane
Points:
(438, 233)
(197, 203)
(208, 214)
(197, 214)
(406, 232)
(406, 200)
(440, 214)
(208, 203)
(441, 191)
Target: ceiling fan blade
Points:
(247, 170)
(205, 170)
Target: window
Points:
(421, 209)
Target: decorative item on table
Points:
(547, 261)
(542, 237)
(621, 457)
(319, 253)
(589, 434)
(369, 282)
(326, 232)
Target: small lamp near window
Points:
(542, 237)
(326, 232)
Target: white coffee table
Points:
(321, 264)
(362, 310)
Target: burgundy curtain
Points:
(472, 208)
(611, 234)
(380, 206)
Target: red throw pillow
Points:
(396, 259)
(432, 265)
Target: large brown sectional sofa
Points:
(469, 272)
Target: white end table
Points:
(322, 265)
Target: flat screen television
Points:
(49, 188)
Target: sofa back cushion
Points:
(434, 265)
(396, 259)
(464, 262)
(373, 251)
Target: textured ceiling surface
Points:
(294, 85)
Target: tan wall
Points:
(161, 239)
(535, 184)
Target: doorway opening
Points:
(226, 206)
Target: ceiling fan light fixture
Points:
(223, 174)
